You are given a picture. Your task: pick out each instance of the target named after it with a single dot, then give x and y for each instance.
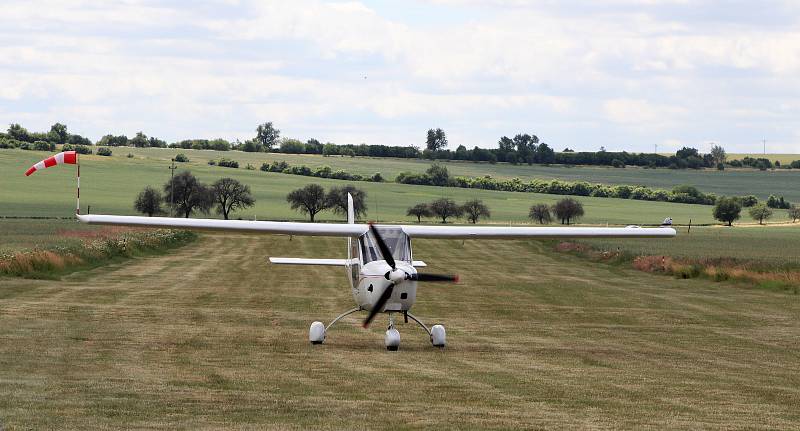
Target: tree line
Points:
(729, 209)
(184, 195)
(522, 148)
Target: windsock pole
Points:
(78, 204)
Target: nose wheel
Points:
(392, 338)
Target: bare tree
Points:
(419, 211)
(445, 208)
(540, 213)
(230, 195)
(475, 209)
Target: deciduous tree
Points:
(540, 213)
(727, 210)
(760, 212)
(436, 140)
(308, 200)
(475, 209)
(231, 195)
(149, 202)
(187, 194)
(419, 211)
(568, 210)
(267, 135)
(445, 208)
(337, 200)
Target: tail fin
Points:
(351, 212)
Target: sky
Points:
(631, 75)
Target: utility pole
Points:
(764, 141)
(656, 151)
(172, 168)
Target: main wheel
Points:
(316, 334)
(438, 336)
(392, 339)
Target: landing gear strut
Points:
(318, 331)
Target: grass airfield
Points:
(211, 336)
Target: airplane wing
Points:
(500, 232)
(354, 230)
(274, 227)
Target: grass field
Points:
(783, 158)
(110, 185)
(729, 182)
(768, 247)
(212, 337)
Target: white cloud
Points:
(574, 73)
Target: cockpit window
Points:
(397, 241)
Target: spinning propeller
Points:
(396, 276)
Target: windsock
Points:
(68, 157)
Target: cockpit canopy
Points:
(395, 239)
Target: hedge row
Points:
(320, 172)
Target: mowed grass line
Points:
(212, 337)
(110, 186)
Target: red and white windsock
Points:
(66, 157)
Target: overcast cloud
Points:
(624, 74)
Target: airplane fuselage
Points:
(367, 274)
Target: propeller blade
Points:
(434, 277)
(385, 251)
(378, 307)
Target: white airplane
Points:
(380, 267)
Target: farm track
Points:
(210, 336)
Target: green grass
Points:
(768, 247)
(729, 182)
(212, 337)
(110, 185)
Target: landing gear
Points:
(318, 331)
(392, 338)
(436, 332)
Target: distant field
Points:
(729, 182)
(783, 158)
(110, 185)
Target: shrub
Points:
(181, 158)
(227, 163)
(80, 149)
(130, 155)
(43, 146)
(104, 151)
(250, 167)
(617, 163)
(376, 178)
(212, 162)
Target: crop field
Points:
(728, 182)
(210, 336)
(110, 185)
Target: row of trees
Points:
(185, 194)
(312, 199)
(521, 148)
(444, 208)
(729, 209)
